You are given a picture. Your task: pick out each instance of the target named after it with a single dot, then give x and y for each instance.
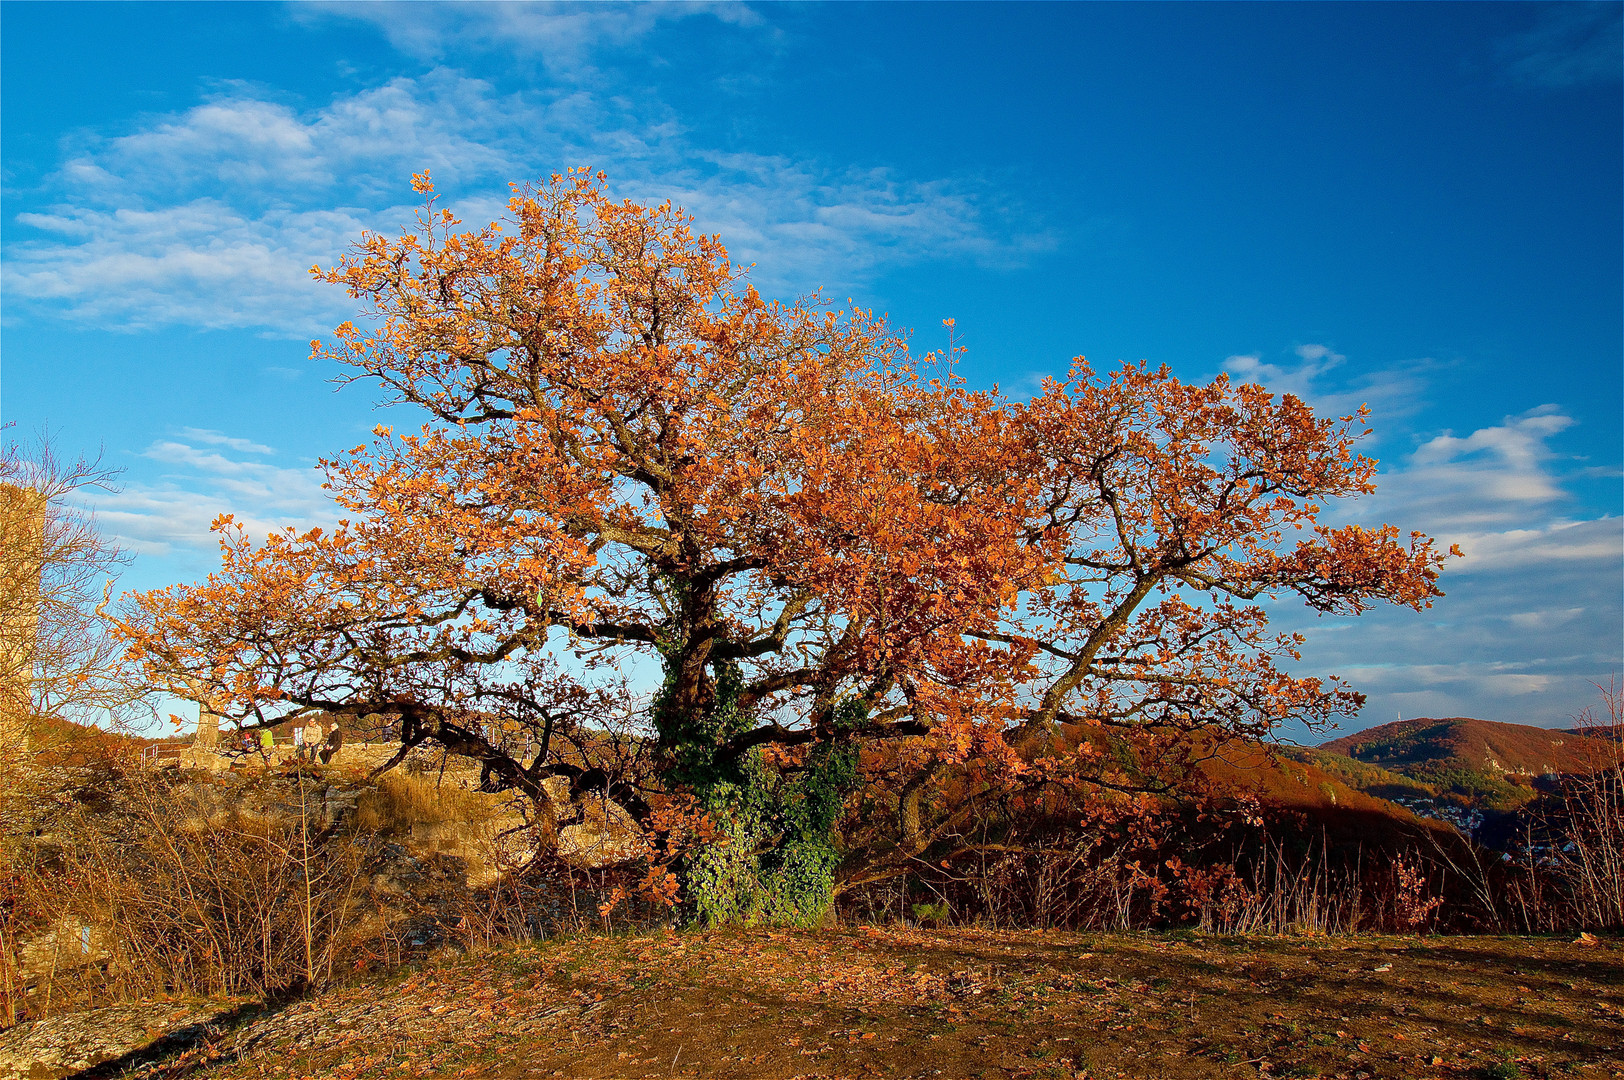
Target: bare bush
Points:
(153, 887)
(1250, 875)
(1565, 869)
(1274, 893)
(1591, 856)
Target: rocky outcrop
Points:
(60, 1046)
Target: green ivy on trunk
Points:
(776, 862)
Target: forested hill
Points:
(1615, 732)
(1461, 741)
(1457, 765)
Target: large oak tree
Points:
(807, 538)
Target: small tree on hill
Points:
(57, 660)
(819, 542)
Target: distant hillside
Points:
(1478, 744)
(1363, 776)
(1292, 781)
(1281, 778)
(1614, 732)
(1478, 763)
(54, 742)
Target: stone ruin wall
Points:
(22, 556)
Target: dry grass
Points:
(157, 888)
(401, 803)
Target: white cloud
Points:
(213, 217)
(1519, 442)
(216, 438)
(1496, 488)
(175, 508)
(1313, 362)
(1415, 679)
(1599, 542)
(1317, 375)
(804, 227)
(1498, 478)
(563, 35)
(241, 145)
(202, 264)
(1534, 611)
(1543, 620)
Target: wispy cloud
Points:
(1518, 639)
(1319, 375)
(202, 474)
(245, 146)
(805, 226)
(1533, 612)
(204, 264)
(214, 216)
(1502, 477)
(1313, 361)
(564, 36)
(1598, 542)
(217, 438)
(1571, 44)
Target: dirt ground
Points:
(922, 1003)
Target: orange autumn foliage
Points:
(628, 452)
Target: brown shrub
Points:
(399, 802)
(155, 888)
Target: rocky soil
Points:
(961, 1002)
(115, 1036)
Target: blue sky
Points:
(1414, 206)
